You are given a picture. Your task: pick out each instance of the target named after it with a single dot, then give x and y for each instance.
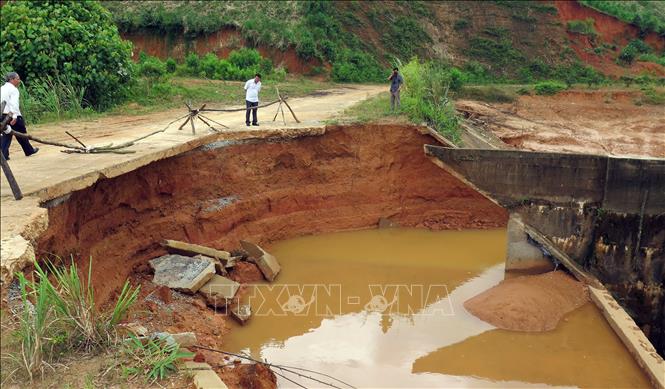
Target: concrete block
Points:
(219, 266)
(522, 256)
(185, 339)
(266, 262)
(269, 266)
(219, 291)
(182, 273)
(252, 249)
(203, 375)
(241, 312)
(178, 247)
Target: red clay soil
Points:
(605, 122)
(262, 191)
(529, 303)
(612, 31)
(221, 43)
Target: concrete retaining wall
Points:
(606, 213)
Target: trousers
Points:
(251, 107)
(19, 126)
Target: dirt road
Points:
(51, 173)
(51, 166)
(607, 122)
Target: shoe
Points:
(247, 124)
(255, 124)
(7, 159)
(34, 152)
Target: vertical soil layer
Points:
(263, 191)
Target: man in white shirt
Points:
(252, 87)
(10, 94)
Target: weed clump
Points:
(59, 317)
(549, 88)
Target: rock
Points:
(185, 339)
(182, 273)
(199, 357)
(241, 312)
(219, 266)
(266, 262)
(219, 291)
(252, 249)
(178, 247)
(384, 222)
(246, 273)
(269, 266)
(134, 328)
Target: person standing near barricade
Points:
(252, 87)
(9, 93)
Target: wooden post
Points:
(191, 121)
(16, 191)
(289, 107)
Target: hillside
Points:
(355, 41)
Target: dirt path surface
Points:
(606, 122)
(51, 173)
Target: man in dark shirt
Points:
(396, 82)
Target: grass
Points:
(58, 318)
(146, 96)
(583, 27)
(371, 110)
(153, 359)
(647, 15)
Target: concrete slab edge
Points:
(631, 335)
(622, 324)
(65, 187)
(203, 375)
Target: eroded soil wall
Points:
(263, 191)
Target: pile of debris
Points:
(192, 268)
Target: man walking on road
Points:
(252, 87)
(10, 94)
(396, 82)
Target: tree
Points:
(77, 41)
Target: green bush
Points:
(244, 58)
(549, 88)
(151, 67)
(192, 63)
(652, 58)
(208, 65)
(632, 50)
(72, 38)
(426, 97)
(652, 96)
(582, 27)
(171, 65)
(647, 15)
(356, 66)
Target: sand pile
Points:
(529, 303)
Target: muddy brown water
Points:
(383, 308)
